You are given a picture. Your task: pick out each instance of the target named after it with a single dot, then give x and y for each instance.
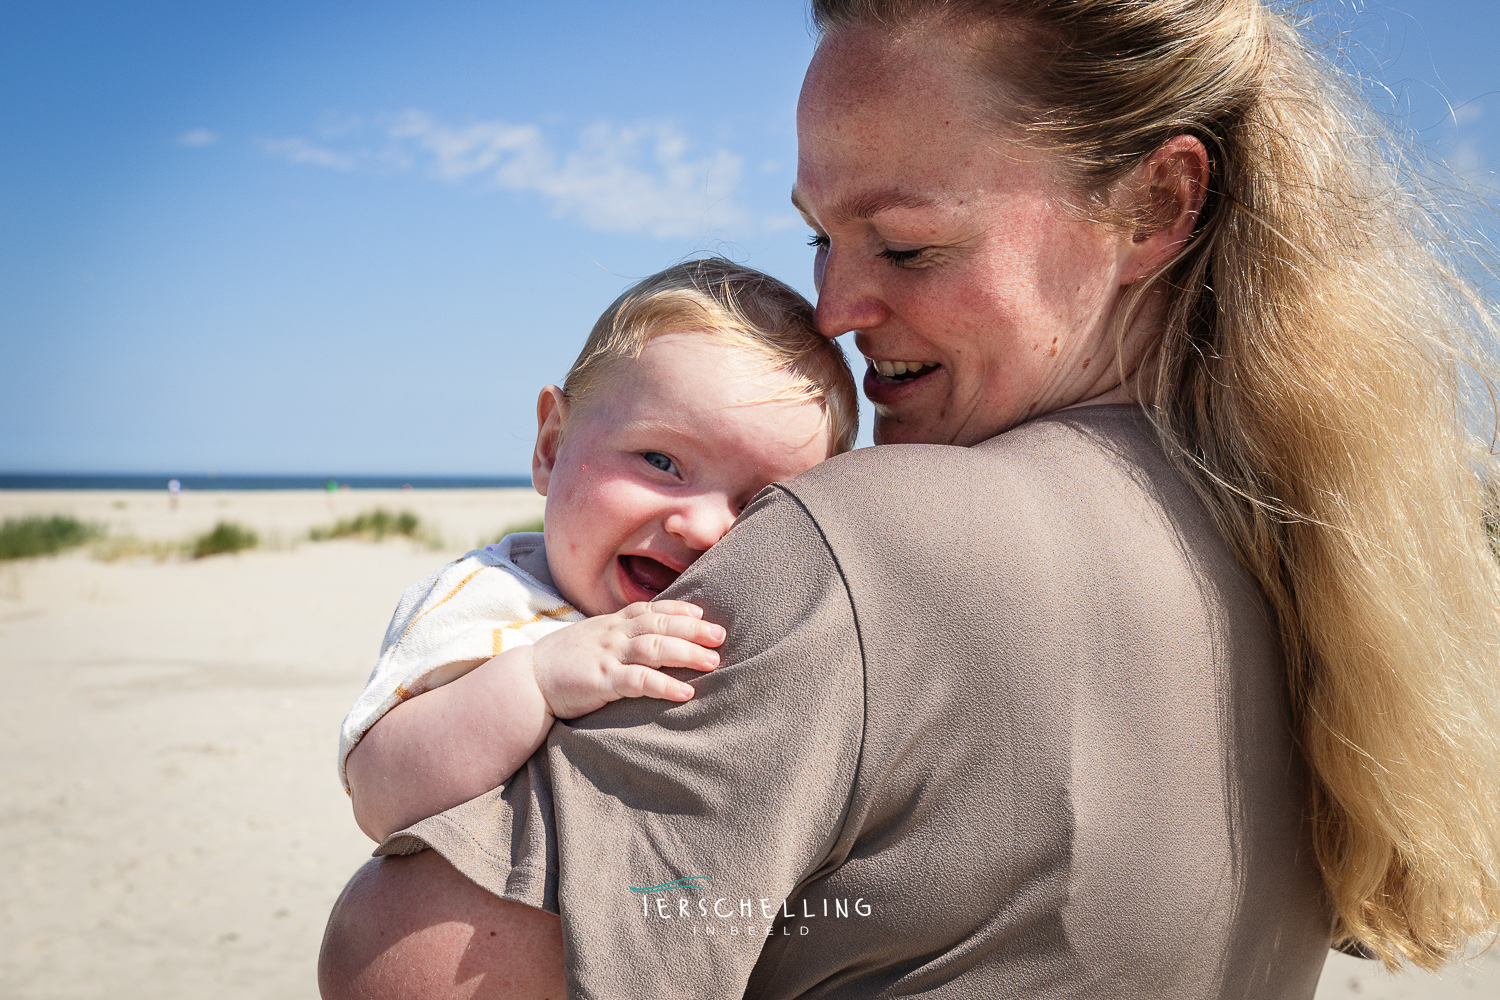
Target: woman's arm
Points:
(448, 745)
(405, 927)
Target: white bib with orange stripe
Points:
(451, 622)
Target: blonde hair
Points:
(1309, 380)
(734, 305)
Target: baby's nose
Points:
(701, 521)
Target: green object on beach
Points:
(23, 538)
(333, 486)
(511, 529)
(226, 537)
(375, 524)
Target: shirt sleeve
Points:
(669, 835)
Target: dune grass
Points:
(114, 548)
(226, 537)
(373, 525)
(26, 537)
(535, 524)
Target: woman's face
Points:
(949, 251)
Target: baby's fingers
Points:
(653, 650)
(636, 681)
(640, 608)
(677, 627)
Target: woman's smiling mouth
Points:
(901, 371)
(887, 383)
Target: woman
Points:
(1182, 671)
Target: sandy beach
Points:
(171, 811)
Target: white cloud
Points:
(1466, 159)
(642, 178)
(1469, 163)
(1468, 113)
(456, 154)
(302, 151)
(197, 137)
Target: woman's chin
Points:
(905, 409)
(893, 428)
(890, 429)
(911, 425)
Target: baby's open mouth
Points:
(648, 574)
(902, 371)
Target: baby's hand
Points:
(608, 657)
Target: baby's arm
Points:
(445, 746)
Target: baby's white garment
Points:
(454, 620)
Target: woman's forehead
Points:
(901, 148)
(901, 96)
(855, 67)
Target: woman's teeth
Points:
(892, 369)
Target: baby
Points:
(697, 388)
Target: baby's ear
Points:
(551, 412)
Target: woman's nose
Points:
(848, 294)
(701, 521)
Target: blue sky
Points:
(334, 237)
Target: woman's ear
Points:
(551, 412)
(1165, 195)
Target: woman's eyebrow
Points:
(869, 204)
(797, 204)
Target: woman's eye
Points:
(818, 240)
(899, 257)
(660, 461)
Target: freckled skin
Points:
(1004, 262)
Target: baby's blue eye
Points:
(660, 461)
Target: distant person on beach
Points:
(174, 492)
(1154, 649)
(697, 388)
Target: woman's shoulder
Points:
(1099, 449)
(1063, 497)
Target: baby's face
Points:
(655, 467)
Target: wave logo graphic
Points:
(686, 882)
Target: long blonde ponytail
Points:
(1310, 384)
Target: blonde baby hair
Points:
(735, 305)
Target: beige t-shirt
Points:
(1004, 721)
